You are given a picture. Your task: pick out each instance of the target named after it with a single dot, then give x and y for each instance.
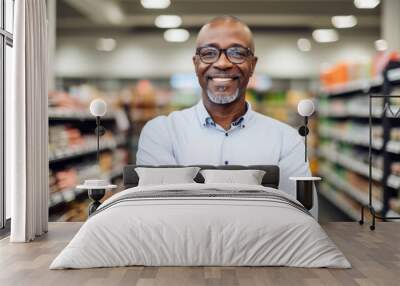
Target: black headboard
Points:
(270, 179)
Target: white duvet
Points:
(200, 231)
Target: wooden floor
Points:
(375, 257)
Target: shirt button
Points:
(226, 162)
(226, 134)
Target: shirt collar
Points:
(206, 120)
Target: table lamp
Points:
(304, 185)
(305, 108)
(97, 188)
(98, 108)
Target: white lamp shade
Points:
(305, 107)
(98, 107)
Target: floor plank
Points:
(375, 257)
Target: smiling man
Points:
(222, 129)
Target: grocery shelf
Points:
(391, 213)
(360, 85)
(115, 174)
(359, 167)
(344, 206)
(339, 202)
(68, 195)
(355, 193)
(67, 113)
(80, 150)
(354, 86)
(350, 102)
(83, 115)
(394, 75)
(392, 145)
(359, 112)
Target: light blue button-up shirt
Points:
(191, 137)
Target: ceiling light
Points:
(325, 35)
(176, 35)
(168, 21)
(304, 45)
(341, 22)
(381, 45)
(366, 4)
(113, 13)
(106, 44)
(155, 4)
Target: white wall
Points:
(150, 56)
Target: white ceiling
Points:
(128, 16)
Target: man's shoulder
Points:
(157, 122)
(274, 124)
(287, 135)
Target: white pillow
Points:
(163, 176)
(248, 177)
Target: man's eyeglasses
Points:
(236, 55)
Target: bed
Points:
(201, 224)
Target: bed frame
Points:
(270, 179)
(131, 178)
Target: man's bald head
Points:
(223, 62)
(230, 22)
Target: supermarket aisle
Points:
(142, 73)
(348, 116)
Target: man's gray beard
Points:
(222, 99)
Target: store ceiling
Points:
(128, 16)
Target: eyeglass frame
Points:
(249, 53)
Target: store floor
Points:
(374, 255)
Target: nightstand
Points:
(96, 191)
(304, 190)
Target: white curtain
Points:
(27, 124)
